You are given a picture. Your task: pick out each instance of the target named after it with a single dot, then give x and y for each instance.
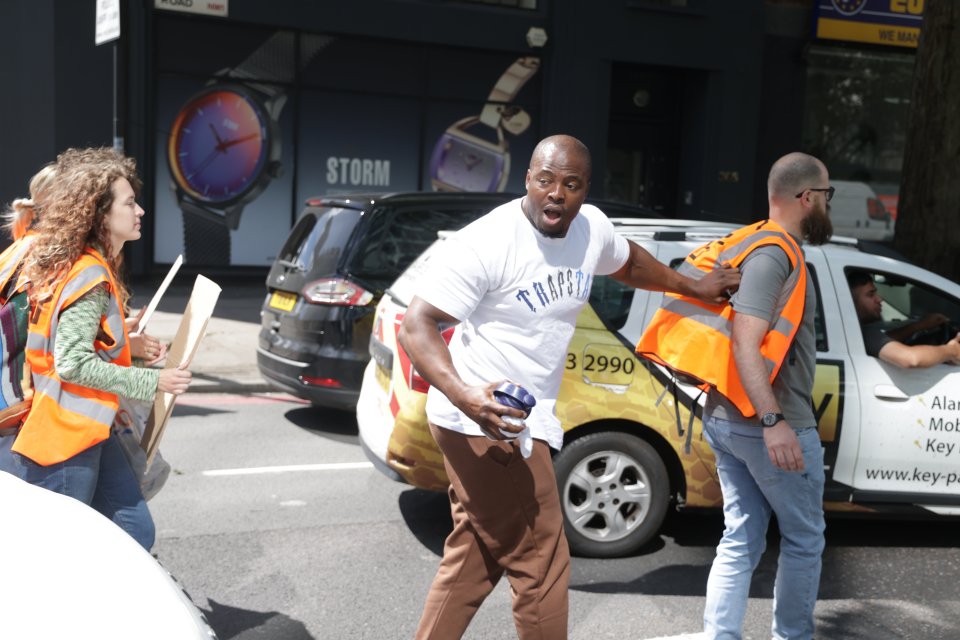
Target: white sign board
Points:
(203, 7)
(148, 312)
(108, 21)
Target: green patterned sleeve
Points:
(77, 362)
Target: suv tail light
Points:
(413, 379)
(336, 291)
(876, 210)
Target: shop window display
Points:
(857, 104)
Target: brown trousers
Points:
(506, 519)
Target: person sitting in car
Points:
(889, 345)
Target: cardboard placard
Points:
(193, 326)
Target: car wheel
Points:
(614, 493)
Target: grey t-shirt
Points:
(764, 272)
(874, 338)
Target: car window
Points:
(906, 300)
(819, 322)
(911, 299)
(318, 239)
(396, 236)
(611, 300)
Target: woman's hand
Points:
(133, 321)
(174, 381)
(146, 347)
(142, 345)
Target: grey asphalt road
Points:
(279, 529)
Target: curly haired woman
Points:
(78, 349)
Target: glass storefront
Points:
(857, 104)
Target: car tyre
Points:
(614, 493)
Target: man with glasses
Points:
(758, 356)
(772, 461)
(829, 191)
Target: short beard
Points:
(817, 228)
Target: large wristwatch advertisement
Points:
(256, 126)
(473, 153)
(224, 146)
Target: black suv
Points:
(326, 282)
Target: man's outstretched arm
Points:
(921, 355)
(643, 271)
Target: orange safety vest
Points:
(67, 418)
(692, 338)
(16, 386)
(10, 261)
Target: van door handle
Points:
(889, 392)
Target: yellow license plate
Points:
(608, 364)
(283, 300)
(383, 378)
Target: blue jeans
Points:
(753, 488)
(99, 477)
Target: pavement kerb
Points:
(209, 384)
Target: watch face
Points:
(459, 163)
(219, 145)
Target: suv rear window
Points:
(318, 238)
(396, 236)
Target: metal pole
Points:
(117, 140)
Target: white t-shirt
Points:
(517, 295)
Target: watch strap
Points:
(506, 89)
(277, 60)
(777, 419)
(513, 79)
(228, 217)
(205, 241)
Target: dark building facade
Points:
(239, 111)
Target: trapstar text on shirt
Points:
(561, 284)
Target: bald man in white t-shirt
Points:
(513, 283)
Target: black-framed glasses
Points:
(829, 191)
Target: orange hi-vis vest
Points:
(16, 383)
(67, 418)
(11, 259)
(693, 338)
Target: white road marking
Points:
(248, 471)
